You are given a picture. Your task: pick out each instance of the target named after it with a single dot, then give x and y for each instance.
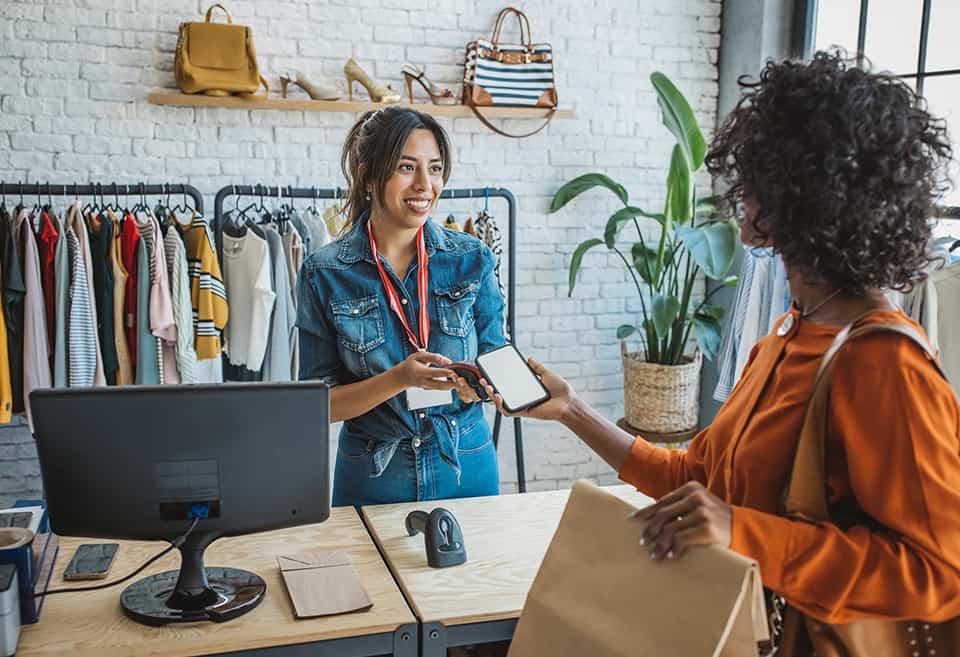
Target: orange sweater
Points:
(893, 448)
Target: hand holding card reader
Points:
(510, 375)
(443, 538)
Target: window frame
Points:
(804, 35)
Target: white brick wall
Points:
(74, 75)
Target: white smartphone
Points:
(508, 373)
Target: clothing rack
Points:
(50, 190)
(266, 192)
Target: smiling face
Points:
(412, 190)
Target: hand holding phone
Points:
(561, 395)
(91, 561)
(510, 376)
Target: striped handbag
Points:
(509, 75)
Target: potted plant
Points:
(662, 382)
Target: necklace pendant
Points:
(785, 326)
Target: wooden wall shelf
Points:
(297, 105)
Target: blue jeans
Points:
(415, 473)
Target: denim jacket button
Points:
(422, 415)
(416, 442)
(356, 311)
(403, 301)
(453, 423)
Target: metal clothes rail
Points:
(274, 192)
(103, 190)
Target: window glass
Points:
(838, 22)
(942, 51)
(943, 95)
(893, 35)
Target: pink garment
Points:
(36, 347)
(75, 219)
(162, 322)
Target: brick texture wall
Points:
(74, 75)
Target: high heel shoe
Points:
(378, 93)
(439, 95)
(316, 90)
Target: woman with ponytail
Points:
(385, 307)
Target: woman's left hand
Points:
(690, 515)
(466, 394)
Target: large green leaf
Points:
(582, 248)
(664, 309)
(712, 311)
(712, 246)
(579, 185)
(680, 120)
(619, 218)
(679, 189)
(708, 334)
(625, 331)
(645, 261)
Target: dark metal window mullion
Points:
(862, 32)
(924, 35)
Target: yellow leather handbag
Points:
(217, 59)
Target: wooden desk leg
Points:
(437, 637)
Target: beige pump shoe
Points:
(316, 90)
(378, 93)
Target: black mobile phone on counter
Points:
(91, 561)
(510, 375)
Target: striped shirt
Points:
(207, 293)
(81, 334)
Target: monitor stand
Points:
(195, 592)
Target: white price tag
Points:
(423, 398)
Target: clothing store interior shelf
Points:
(297, 105)
(655, 437)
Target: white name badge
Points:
(423, 398)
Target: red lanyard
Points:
(422, 281)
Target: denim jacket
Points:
(348, 332)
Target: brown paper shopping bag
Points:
(597, 594)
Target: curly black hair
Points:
(844, 165)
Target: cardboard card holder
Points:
(323, 584)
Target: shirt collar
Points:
(355, 246)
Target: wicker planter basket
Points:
(660, 398)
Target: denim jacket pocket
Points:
(455, 307)
(359, 324)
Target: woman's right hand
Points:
(416, 372)
(561, 395)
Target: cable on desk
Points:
(177, 542)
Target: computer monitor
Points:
(143, 462)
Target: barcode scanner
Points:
(443, 539)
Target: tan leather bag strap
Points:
(524, 25)
(805, 497)
(214, 6)
(497, 130)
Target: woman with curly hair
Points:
(838, 170)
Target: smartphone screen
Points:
(509, 374)
(91, 561)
